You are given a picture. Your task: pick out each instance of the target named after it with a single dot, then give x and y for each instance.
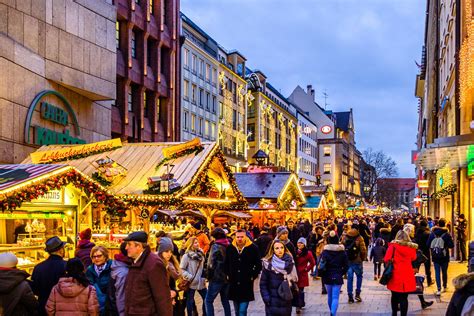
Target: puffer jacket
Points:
(336, 264)
(16, 296)
(118, 275)
(378, 251)
(192, 265)
(403, 276)
(101, 284)
(70, 298)
(464, 289)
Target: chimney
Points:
(309, 88)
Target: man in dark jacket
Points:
(243, 266)
(440, 257)
(47, 273)
(396, 228)
(216, 273)
(147, 289)
(263, 241)
(16, 297)
(356, 253)
(294, 232)
(421, 238)
(461, 238)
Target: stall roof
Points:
(140, 161)
(14, 176)
(312, 202)
(235, 214)
(264, 185)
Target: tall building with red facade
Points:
(147, 40)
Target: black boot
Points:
(426, 304)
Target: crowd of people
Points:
(229, 260)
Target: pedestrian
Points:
(380, 224)
(356, 253)
(202, 238)
(282, 235)
(263, 241)
(166, 254)
(402, 252)
(386, 234)
(16, 296)
(304, 264)
(313, 245)
(84, 247)
(47, 273)
(118, 276)
(365, 232)
(461, 239)
(278, 267)
(421, 239)
(243, 265)
(440, 241)
(294, 232)
(462, 301)
(377, 253)
(396, 228)
(147, 290)
(98, 274)
(73, 295)
(216, 273)
(192, 267)
(335, 262)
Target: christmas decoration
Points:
(450, 189)
(193, 150)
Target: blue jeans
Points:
(190, 300)
(441, 268)
(241, 308)
(333, 297)
(212, 291)
(358, 270)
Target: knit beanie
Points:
(165, 245)
(302, 240)
(86, 234)
(8, 260)
(281, 230)
(333, 238)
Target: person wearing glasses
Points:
(98, 274)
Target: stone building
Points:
(58, 74)
(148, 77)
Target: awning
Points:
(312, 202)
(191, 213)
(14, 176)
(454, 152)
(171, 213)
(235, 214)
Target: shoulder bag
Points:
(183, 284)
(388, 271)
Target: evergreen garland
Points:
(196, 150)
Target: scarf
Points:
(196, 254)
(283, 265)
(99, 269)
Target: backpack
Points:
(438, 251)
(351, 249)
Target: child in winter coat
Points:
(376, 256)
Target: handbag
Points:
(321, 267)
(284, 290)
(419, 284)
(388, 271)
(183, 285)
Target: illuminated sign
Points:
(423, 184)
(70, 152)
(57, 115)
(326, 129)
(53, 196)
(470, 160)
(261, 169)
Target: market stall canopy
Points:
(196, 213)
(16, 176)
(315, 202)
(235, 214)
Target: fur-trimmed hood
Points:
(353, 233)
(385, 230)
(463, 280)
(405, 243)
(334, 247)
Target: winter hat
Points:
(165, 245)
(281, 230)
(197, 225)
(218, 233)
(302, 240)
(333, 238)
(86, 234)
(8, 260)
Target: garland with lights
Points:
(80, 156)
(12, 201)
(450, 189)
(193, 150)
(100, 179)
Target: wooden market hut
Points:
(273, 196)
(155, 176)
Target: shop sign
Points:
(63, 116)
(326, 129)
(51, 197)
(66, 153)
(25, 215)
(267, 205)
(260, 169)
(176, 149)
(470, 160)
(424, 197)
(423, 184)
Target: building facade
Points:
(307, 149)
(58, 74)
(397, 193)
(444, 88)
(199, 86)
(148, 71)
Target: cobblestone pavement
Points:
(375, 298)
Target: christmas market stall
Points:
(273, 197)
(155, 180)
(38, 201)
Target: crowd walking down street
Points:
(336, 266)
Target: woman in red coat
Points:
(304, 264)
(403, 252)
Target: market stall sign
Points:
(177, 149)
(78, 151)
(260, 169)
(470, 160)
(57, 115)
(51, 197)
(423, 184)
(7, 215)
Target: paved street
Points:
(376, 298)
